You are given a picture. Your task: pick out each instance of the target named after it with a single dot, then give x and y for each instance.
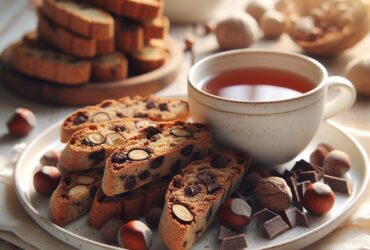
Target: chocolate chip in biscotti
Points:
(96, 138)
(177, 181)
(150, 104)
(178, 132)
(138, 154)
(120, 115)
(156, 163)
(163, 107)
(119, 158)
(192, 190)
(143, 175)
(213, 188)
(140, 115)
(130, 182)
(182, 213)
(97, 156)
(152, 131)
(119, 128)
(80, 118)
(115, 139)
(187, 150)
(100, 117)
(219, 161)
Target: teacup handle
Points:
(341, 95)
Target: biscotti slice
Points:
(128, 206)
(150, 107)
(80, 18)
(156, 28)
(111, 67)
(129, 36)
(32, 39)
(157, 151)
(147, 59)
(50, 65)
(105, 46)
(90, 146)
(65, 40)
(74, 195)
(194, 196)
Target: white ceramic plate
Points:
(79, 235)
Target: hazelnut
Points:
(302, 28)
(236, 32)
(318, 198)
(208, 28)
(110, 230)
(256, 8)
(153, 217)
(234, 214)
(337, 163)
(135, 235)
(22, 122)
(189, 43)
(318, 155)
(50, 158)
(272, 24)
(273, 193)
(250, 182)
(46, 180)
(358, 72)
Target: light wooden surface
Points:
(17, 17)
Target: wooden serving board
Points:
(91, 93)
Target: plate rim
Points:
(330, 225)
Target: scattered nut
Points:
(100, 117)
(358, 72)
(115, 139)
(318, 198)
(256, 8)
(96, 138)
(235, 214)
(50, 158)
(79, 192)
(273, 24)
(22, 122)
(110, 230)
(318, 155)
(85, 179)
(138, 155)
(273, 193)
(153, 217)
(236, 32)
(135, 235)
(337, 163)
(182, 213)
(46, 180)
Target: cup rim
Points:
(251, 51)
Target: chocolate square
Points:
(339, 184)
(290, 217)
(293, 188)
(224, 232)
(274, 227)
(287, 174)
(302, 165)
(264, 215)
(302, 219)
(234, 243)
(308, 176)
(301, 188)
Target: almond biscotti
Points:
(155, 152)
(157, 28)
(90, 146)
(147, 59)
(129, 36)
(110, 67)
(194, 196)
(50, 65)
(74, 195)
(80, 18)
(127, 206)
(150, 107)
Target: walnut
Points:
(273, 193)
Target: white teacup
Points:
(273, 132)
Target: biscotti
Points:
(155, 152)
(157, 28)
(65, 40)
(147, 59)
(129, 36)
(127, 206)
(74, 195)
(150, 107)
(50, 65)
(105, 46)
(80, 18)
(90, 146)
(110, 67)
(194, 196)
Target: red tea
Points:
(257, 84)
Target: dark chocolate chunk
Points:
(308, 176)
(106, 104)
(97, 156)
(150, 104)
(156, 163)
(120, 115)
(301, 188)
(274, 227)
(213, 188)
(339, 184)
(80, 118)
(302, 219)
(287, 174)
(293, 188)
(224, 232)
(187, 150)
(163, 107)
(177, 181)
(118, 157)
(303, 165)
(152, 131)
(87, 142)
(119, 128)
(290, 217)
(143, 175)
(234, 243)
(130, 182)
(140, 115)
(264, 215)
(219, 161)
(67, 180)
(192, 190)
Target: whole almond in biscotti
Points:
(110, 67)
(147, 59)
(90, 146)
(80, 18)
(149, 107)
(156, 151)
(195, 195)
